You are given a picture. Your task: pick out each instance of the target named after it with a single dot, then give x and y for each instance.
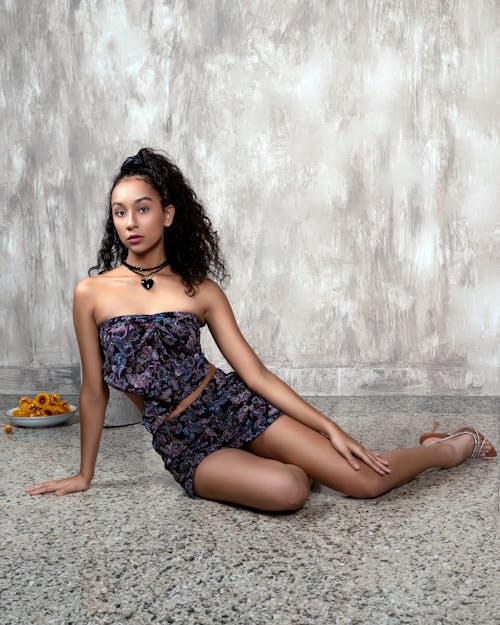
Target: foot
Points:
(458, 449)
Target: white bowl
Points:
(40, 422)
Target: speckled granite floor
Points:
(135, 549)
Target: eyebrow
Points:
(141, 199)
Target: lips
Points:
(135, 238)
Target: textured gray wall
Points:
(347, 152)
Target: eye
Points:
(119, 212)
(143, 209)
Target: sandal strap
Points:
(478, 440)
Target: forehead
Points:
(132, 188)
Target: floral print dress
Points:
(159, 357)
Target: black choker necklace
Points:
(147, 282)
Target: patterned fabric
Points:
(159, 357)
(156, 356)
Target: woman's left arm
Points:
(223, 327)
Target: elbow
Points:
(257, 378)
(92, 395)
(92, 408)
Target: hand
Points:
(351, 449)
(73, 484)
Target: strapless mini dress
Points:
(159, 357)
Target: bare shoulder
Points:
(209, 292)
(91, 284)
(213, 300)
(208, 286)
(84, 286)
(88, 290)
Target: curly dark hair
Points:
(191, 244)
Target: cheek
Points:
(156, 221)
(117, 224)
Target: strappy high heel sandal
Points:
(479, 439)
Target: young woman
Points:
(243, 437)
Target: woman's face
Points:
(138, 215)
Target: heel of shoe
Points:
(432, 433)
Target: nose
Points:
(131, 220)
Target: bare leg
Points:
(240, 477)
(292, 442)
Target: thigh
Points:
(241, 477)
(290, 441)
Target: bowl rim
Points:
(39, 417)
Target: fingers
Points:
(373, 460)
(351, 450)
(39, 489)
(64, 486)
(54, 486)
(350, 459)
(345, 450)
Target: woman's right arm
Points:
(93, 396)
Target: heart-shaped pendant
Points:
(147, 283)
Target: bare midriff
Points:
(184, 403)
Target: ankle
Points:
(443, 454)
(449, 457)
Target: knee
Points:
(291, 489)
(367, 489)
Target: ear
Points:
(169, 215)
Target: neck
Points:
(146, 260)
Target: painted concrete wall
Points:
(347, 152)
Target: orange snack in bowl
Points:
(58, 410)
(43, 405)
(42, 400)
